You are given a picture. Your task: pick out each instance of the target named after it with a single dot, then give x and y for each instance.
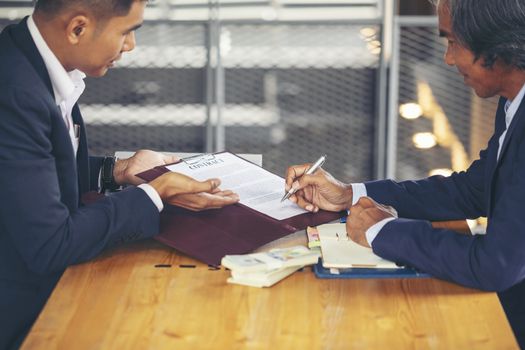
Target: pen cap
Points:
(318, 163)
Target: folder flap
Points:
(209, 235)
(300, 222)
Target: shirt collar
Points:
(62, 81)
(511, 107)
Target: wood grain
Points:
(459, 226)
(122, 301)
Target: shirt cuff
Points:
(358, 191)
(153, 195)
(374, 230)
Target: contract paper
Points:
(257, 188)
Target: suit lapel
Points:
(82, 153)
(500, 126)
(493, 151)
(22, 38)
(512, 127)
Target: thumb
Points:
(169, 159)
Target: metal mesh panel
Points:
(294, 92)
(467, 121)
(155, 98)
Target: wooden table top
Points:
(122, 301)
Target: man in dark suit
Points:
(44, 163)
(486, 43)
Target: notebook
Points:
(339, 251)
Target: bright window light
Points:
(410, 110)
(440, 171)
(368, 32)
(424, 140)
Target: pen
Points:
(310, 171)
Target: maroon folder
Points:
(236, 229)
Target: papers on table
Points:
(257, 188)
(339, 251)
(267, 268)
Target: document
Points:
(257, 188)
(259, 218)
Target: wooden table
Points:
(122, 301)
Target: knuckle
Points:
(204, 202)
(361, 201)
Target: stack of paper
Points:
(313, 238)
(265, 269)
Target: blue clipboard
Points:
(363, 273)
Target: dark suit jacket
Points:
(496, 189)
(43, 228)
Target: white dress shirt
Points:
(67, 88)
(359, 189)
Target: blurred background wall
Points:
(362, 81)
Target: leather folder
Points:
(236, 229)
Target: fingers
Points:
(305, 204)
(172, 184)
(363, 215)
(170, 159)
(204, 186)
(202, 201)
(315, 180)
(367, 202)
(294, 172)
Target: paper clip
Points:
(198, 158)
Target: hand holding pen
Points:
(319, 163)
(312, 188)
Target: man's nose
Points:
(129, 43)
(449, 58)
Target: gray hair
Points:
(491, 29)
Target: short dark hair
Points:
(102, 9)
(491, 29)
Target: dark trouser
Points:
(513, 302)
(20, 304)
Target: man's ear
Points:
(77, 28)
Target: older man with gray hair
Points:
(486, 44)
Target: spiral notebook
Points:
(339, 251)
(343, 258)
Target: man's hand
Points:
(363, 215)
(126, 169)
(183, 191)
(317, 191)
